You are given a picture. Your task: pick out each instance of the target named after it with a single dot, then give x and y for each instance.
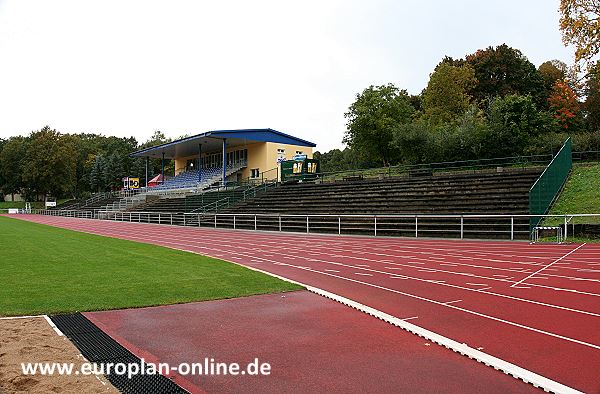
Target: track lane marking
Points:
(550, 265)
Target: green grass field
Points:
(46, 270)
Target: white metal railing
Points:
(72, 213)
(495, 226)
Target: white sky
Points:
(130, 67)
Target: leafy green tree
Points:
(447, 94)
(552, 71)
(371, 121)
(592, 101)
(50, 164)
(413, 142)
(503, 71)
(513, 121)
(11, 165)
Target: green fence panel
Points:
(548, 185)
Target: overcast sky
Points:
(130, 67)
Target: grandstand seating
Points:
(101, 204)
(188, 203)
(456, 193)
(483, 192)
(69, 204)
(96, 202)
(191, 179)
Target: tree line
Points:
(49, 163)
(491, 103)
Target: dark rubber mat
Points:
(74, 324)
(96, 346)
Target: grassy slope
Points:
(581, 193)
(45, 269)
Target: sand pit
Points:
(33, 340)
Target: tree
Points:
(564, 105)
(552, 71)
(513, 121)
(447, 94)
(96, 174)
(580, 27)
(11, 165)
(592, 101)
(413, 142)
(503, 71)
(50, 164)
(372, 119)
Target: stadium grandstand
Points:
(224, 156)
(257, 179)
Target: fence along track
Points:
(468, 226)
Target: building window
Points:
(299, 152)
(254, 173)
(280, 150)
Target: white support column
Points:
(224, 182)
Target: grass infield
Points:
(44, 270)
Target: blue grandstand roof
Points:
(189, 145)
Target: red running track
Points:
(312, 344)
(536, 306)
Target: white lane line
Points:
(362, 273)
(477, 284)
(410, 318)
(398, 277)
(452, 302)
(549, 265)
(328, 270)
